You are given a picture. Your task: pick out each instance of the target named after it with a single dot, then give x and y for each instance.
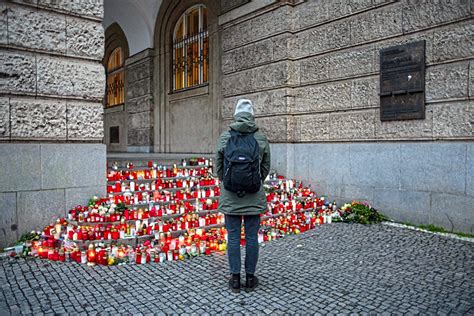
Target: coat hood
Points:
(244, 122)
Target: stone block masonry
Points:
(312, 70)
(51, 112)
(324, 55)
(40, 181)
(139, 101)
(52, 80)
(416, 182)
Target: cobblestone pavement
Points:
(337, 268)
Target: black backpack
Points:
(242, 164)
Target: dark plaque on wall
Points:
(402, 82)
(114, 135)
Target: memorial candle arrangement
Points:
(158, 213)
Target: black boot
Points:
(234, 283)
(251, 282)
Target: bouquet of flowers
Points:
(360, 212)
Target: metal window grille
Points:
(191, 55)
(115, 78)
(115, 88)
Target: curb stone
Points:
(449, 235)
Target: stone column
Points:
(51, 128)
(139, 101)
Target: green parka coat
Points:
(251, 203)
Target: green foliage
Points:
(433, 228)
(460, 234)
(269, 188)
(28, 237)
(92, 201)
(436, 229)
(120, 207)
(361, 213)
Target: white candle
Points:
(202, 221)
(162, 257)
(83, 257)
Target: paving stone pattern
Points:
(336, 268)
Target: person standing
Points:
(242, 164)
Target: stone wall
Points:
(312, 70)
(416, 182)
(139, 101)
(51, 90)
(323, 57)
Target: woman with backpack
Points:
(242, 164)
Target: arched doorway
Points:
(115, 116)
(186, 77)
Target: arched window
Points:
(115, 78)
(191, 49)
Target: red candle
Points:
(91, 255)
(102, 257)
(118, 186)
(55, 255)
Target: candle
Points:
(138, 257)
(83, 257)
(121, 254)
(91, 255)
(162, 256)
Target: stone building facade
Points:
(310, 67)
(51, 113)
(312, 70)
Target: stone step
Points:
(141, 159)
(190, 189)
(135, 240)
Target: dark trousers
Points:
(233, 224)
